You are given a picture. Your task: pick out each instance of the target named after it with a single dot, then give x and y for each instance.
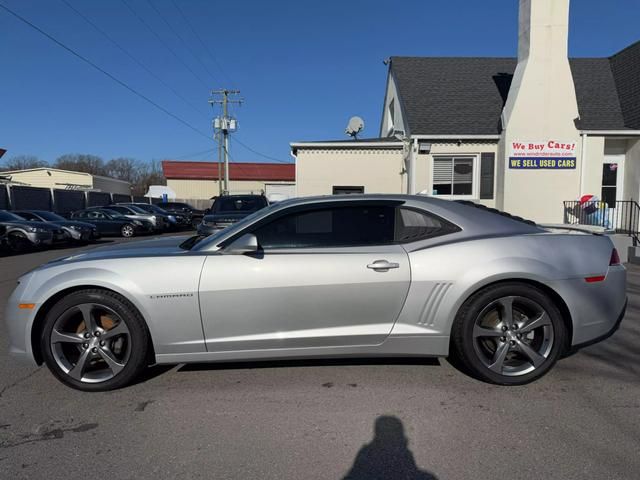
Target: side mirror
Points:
(248, 243)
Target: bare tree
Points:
(149, 174)
(80, 162)
(22, 162)
(123, 168)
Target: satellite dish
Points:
(355, 126)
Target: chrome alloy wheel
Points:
(513, 336)
(90, 343)
(127, 231)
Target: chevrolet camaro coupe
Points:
(338, 276)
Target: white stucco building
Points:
(520, 134)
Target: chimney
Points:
(542, 79)
(541, 108)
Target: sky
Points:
(303, 67)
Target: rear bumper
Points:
(604, 336)
(595, 307)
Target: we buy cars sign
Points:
(550, 154)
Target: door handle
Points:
(382, 265)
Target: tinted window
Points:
(239, 204)
(330, 227)
(28, 216)
(10, 217)
(51, 217)
(412, 225)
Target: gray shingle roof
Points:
(465, 95)
(626, 71)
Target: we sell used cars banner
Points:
(551, 154)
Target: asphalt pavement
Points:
(327, 420)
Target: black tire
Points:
(138, 339)
(128, 230)
(469, 346)
(18, 242)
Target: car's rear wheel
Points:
(94, 340)
(127, 230)
(508, 334)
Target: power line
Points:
(165, 44)
(194, 154)
(103, 71)
(128, 54)
(180, 38)
(278, 160)
(204, 45)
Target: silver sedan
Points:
(339, 276)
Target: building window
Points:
(391, 116)
(453, 176)
(347, 190)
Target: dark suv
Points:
(193, 216)
(228, 209)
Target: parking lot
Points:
(312, 419)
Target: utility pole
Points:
(224, 125)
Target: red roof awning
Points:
(237, 171)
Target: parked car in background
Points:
(76, 231)
(193, 215)
(228, 209)
(111, 223)
(159, 223)
(174, 221)
(22, 234)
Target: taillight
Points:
(615, 258)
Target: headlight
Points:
(37, 230)
(153, 217)
(75, 227)
(172, 218)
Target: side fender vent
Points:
(439, 290)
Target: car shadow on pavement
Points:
(194, 367)
(387, 456)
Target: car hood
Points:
(71, 223)
(27, 223)
(165, 246)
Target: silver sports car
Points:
(339, 276)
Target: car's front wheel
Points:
(508, 334)
(94, 340)
(127, 231)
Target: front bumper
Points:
(19, 322)
(40, 238)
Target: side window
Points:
(29, 216)
(412, 225)
(339, 226)
(96, 215)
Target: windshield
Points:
(111, 213)
(235, 204)
(137, 209)
(51, 217)
(10, 217)
(151, 209)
